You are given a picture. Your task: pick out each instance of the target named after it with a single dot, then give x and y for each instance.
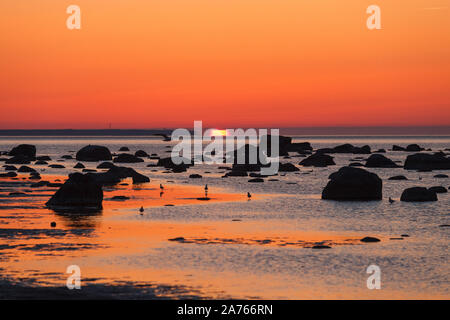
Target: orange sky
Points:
(230, 63)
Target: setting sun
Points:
(218, 132)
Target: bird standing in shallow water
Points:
(249, 195)
(391, 200)
(161, 186)
(141, 209)
(206, 187)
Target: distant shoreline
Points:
(307, 131)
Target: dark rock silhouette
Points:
(79, 191)
(105, 165)
(120, 198)
(346, 148)
(23, 150)
(43, 158)
(380, 161)
(41, 162)
(19, 160)
(195, 176)
(353, 184)
(370, 239)
(256, 180)
(438, 189)
(115, 174)
(127, 158)
(300, 147)
(10, 174)
(414, 147)
(93, 153)
(169, 164)
(397, 148)
(79, 165)
(10, 168)
(318, 160)
(141, 154)
(233, 173)
(398, 178)
(56, 166)
(246, 167)
(26, 169)
(124, 149)
(425, 161)
(441, 176)
(287, 167)
(418, 194)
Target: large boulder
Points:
(353, 184)
(380, 161)
(318, 160)
(426, 161)
(127, 158)
(418, 194)
(79, 191)
(93, 153)
(24, 150)
(414, 147)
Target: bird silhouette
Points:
(391, 200)
(206, 187)
(141, 209)
(161, 186)
(249, 195)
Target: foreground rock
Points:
(418, 194)
(79, 191)
(318, 160)
(93, 153)
(23, 150)
(425, 161)
(380, 161)
(353, 184)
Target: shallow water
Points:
(232, 247)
